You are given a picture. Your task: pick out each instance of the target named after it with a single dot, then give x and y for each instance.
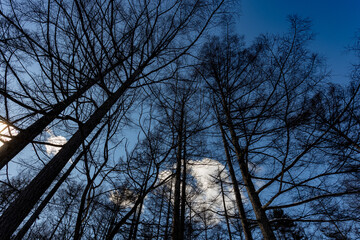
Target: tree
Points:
(222, 88)
(131, 125)
(239, 201)
(149, 31)
(179, 103)
(263, 98)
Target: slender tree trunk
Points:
(190, 223)
(137, 220)
(79, 219)
(160, 215)
(177, 195)
(11, 148)
(260, 214)
(176, 225)
(132, 226)
(19, 209)
(183, 192)
(43, 204)
(244, 223)
(166, 235)
(224, 205)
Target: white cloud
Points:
(206, 194)
(6, 130)
(57, 140)
(164, 175)
(207, 173)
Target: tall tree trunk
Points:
(132, 226)
(20, 235)
(79, 219)
(19, 209)
(176, 225)
(137, 220)
(177, 194)
(46, 200)
(260, 214)
(183, 192)
(17, 143)
(244, 223)
(43, 204)
(166, 234)
(160, 214)
(224, 205)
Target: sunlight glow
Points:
(5, 132)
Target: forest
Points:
(152, 119)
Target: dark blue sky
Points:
(335, 24)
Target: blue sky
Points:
(334, 23)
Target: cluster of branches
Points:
(294, 136)
(94, 72)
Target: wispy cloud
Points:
(56, 140)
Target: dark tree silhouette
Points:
(151, 30)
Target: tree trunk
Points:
(19, 209)
(176, 225)
(11, 148)
(137, 220)
(160, 214)
(183, 192)
(239, 204)
(43, 204)
(224, 205)
(260, 214)
(166, 234)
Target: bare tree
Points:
(263, 94)
(155, 30)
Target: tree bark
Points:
(183, 191)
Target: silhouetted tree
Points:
(262, 96)
(103, 32)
